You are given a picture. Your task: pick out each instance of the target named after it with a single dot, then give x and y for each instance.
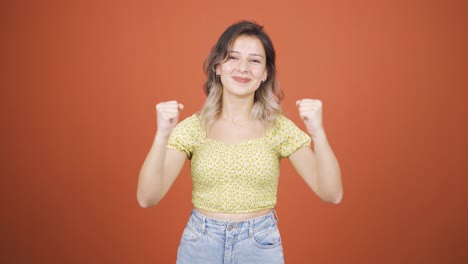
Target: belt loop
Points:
(251, 226)
(203, 227)
(275, 215)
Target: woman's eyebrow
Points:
(250, 54)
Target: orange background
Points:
(80, 79)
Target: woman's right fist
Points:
(167, 116)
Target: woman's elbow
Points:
(146, 202)
(335, 198)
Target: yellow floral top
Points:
(236, 178)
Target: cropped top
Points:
(236, 178)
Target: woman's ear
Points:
(265, 75)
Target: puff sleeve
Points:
(184, 136)
(288, 137)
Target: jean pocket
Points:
(269, 238)
(191, 233)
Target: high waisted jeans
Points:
(211, 241)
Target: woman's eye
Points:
(232, 58)
(255, 61)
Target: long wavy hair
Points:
(267, 97)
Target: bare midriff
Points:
(233, 217)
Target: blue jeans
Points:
(207, 240)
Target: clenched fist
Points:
(310, 111)
(167, 116)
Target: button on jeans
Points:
(211, 241)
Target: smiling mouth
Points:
(241, 80)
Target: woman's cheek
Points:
(229, 67)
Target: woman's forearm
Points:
(328, 170)
(150, 182)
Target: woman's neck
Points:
(236, 110)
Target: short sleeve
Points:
(289, 137)
(184, 136)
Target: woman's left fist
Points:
(310, 111)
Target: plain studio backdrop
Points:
(80, 80)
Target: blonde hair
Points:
(267, 97)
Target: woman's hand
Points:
(167, 116)
(310, 111)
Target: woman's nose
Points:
(243, 65)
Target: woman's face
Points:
(245, 67)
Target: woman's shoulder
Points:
(282, 121)
(191, 123)
(192, 118)
(284, 126)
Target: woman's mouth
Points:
(241, 79)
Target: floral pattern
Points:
(236, 178)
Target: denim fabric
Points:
(211, 241)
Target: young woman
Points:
(235, 145)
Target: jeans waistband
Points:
(209, 220)
(250, 225)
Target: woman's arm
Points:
(319, 168)
(162, 165)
